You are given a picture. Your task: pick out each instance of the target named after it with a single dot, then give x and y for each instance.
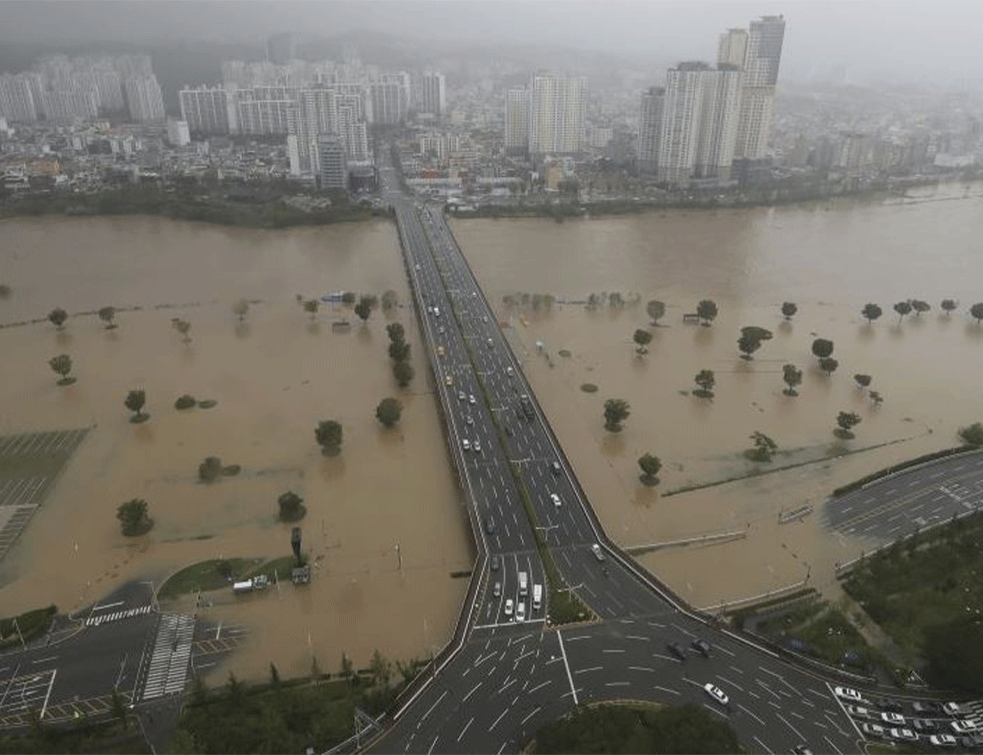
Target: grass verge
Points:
(207, 575)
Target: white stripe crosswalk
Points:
(168, 667)
(94, 621)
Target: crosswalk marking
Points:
(168, 667)
(94, 621)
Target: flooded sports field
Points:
(274, 376)
(830, 259)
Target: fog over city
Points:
(890, 40)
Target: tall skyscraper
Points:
(650, 112)
(332, 164)
(680, 134)
(388, 102)
(557, 107)
(517, 121)
(718, 122)
(732, 48)
(71, 104)
(433, 97)
(144, 99)
(761, 62)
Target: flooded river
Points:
(275, 375)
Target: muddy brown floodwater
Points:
(830, 259)
(274, 376)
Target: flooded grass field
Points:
(830, 260)
(274, 376)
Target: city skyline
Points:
(923, 50)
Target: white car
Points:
(859, 712)
(465, 444)
(716, 693)
(872, 730)
(556, 499)
(893, 718)
(471, 399)
(508, 606)
(848, 694)
(598, 553)
(942, 740)
(965, 726)
(520, 612)
(461, 396)
(903, 735)
(509, 371)
(951, 709)
(469, 420)
(477, 446)
(497, 590)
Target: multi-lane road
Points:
(506, 679)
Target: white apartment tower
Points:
(144, 99)
(732, 48)
(332, 164)
(433, 97)
(680, 135)
(517, 121)
(17, 101)
(761, 61)
(556, 113)
(650, 111)
(207, 110)
(718, 122)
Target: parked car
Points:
(951, 709)
(903, 735)
(598, 553)
(466, 444)
(496, 562)
(461, 396)
(872, 730)
(965, 725)
(860, 712)
(555, 467)
(677, 650)
(489, 525)
(801, 750)
(846, 693)
(716, 693)
(508, 606)
(942, 740)
(471, 398)
(702, 647)
(497, 591)
(893, 718)
(928, 708)
(556, 499)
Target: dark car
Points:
(495, 562)
(489, 525)
(928, 708)
(702, 647)
(801, 750)
(677, 650)
(969, 743)
(888, 704)
(924, 726)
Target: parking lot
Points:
(29, 465)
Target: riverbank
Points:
(209, 208)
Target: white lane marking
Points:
(108, 605)
(832, 745)
(684, 631)
(763, 746)
(433, 744)
(48, 695)
(641, 668)
(666, 689)
(495, 722)
(751, 714)
(587, 670)
(464, 730)
(424, 717)
(737, 670)
(728, 681)
(539, 686)
(722, 649)
(716, 710)
(559, 636)
(797, 732)
(465, 698)
(533, 713)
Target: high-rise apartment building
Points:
(680, 134)
(332, 163)
(433, 95)
(517, 121)
(178, 134)
(650, 111)
(557, 107)
(761, 63)
(387, 102)
(71, 104)
(208, 110)
(261, 117)
(732, 48)
(718, 122)
(17, 102)
(144, 99)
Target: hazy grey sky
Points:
(886, 39)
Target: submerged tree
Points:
(846, 421)
(972, 434)
(650, 466)
(134, 402)
(828, 365)
(311, 307)
(751, 338)
(822, 347)
(364, 308)
(706, 380)
(389, 300)
(863, 381)
(396, 332)
(788, 310)
(404, 373)
(616, 411)
(240, 309)
(62, 364)
(977, 312)
(948, 306)
(328, 435)
(133, 518)
(291, 507)
(920, 306)
(871, 312)
(183, 327)
(764, 447)
(706, 310)
(642, 338)
(399, 351)
(902, 308)
(210, 469)
(58, 317)
(875, 397)
(389, 411)
(656, 310)
(107, 315)
(792, 377)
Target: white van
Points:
(523, 584)
(537, 597)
